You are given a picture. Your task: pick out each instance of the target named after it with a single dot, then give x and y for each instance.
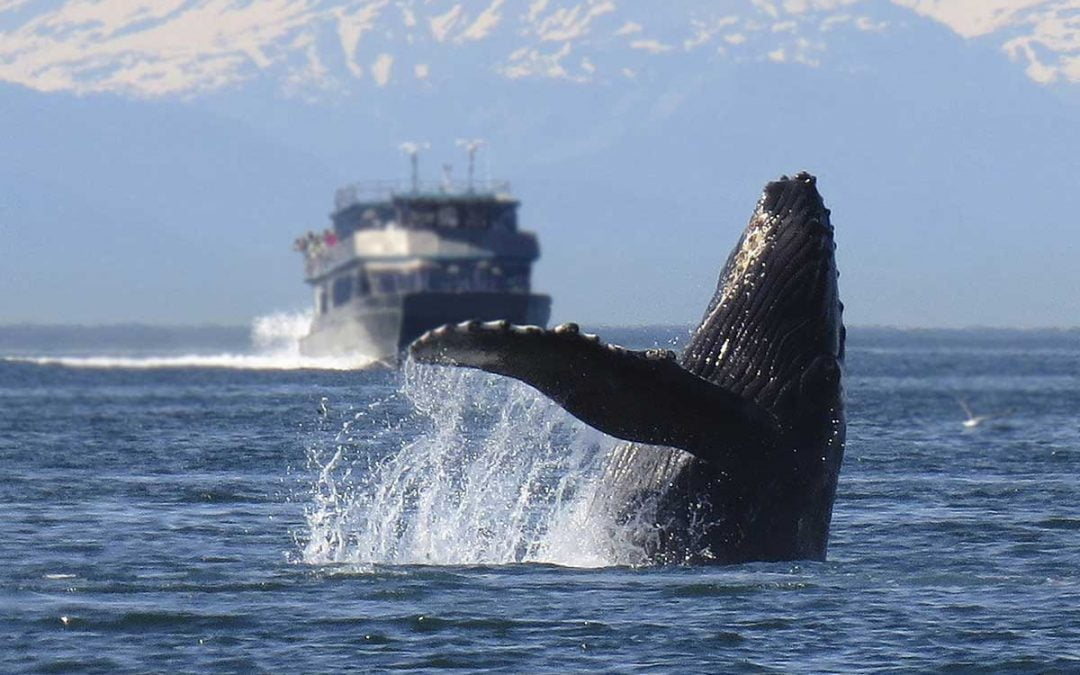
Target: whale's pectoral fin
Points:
(636, 396)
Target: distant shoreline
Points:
(225, 327)
(139, 345)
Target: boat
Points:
(401, 260)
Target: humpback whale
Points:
(732, 449)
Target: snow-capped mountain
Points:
(312, 48)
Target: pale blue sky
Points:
(160, 158)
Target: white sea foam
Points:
(483, 471)
(275, 340)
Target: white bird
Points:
(973, 420)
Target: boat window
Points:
(396, 281)
(342, 290)
(321, 301)
(363, 287)
(421, 217)
(504, 217)
(448, 216)
(369, 219)
(515, 278)
(475, 217)
(518, 283)
(383, 282)
(435, 279)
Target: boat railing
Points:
(381, 190)
(325, 258)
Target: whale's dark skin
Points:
(736, 445)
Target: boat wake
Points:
(477, 470)
(275, 345)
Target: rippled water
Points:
(169, 517)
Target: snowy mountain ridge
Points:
(321, 48)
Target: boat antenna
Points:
(471, 145)
(447, 179)
(412, 149)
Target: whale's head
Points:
(776, 317)
(773, 333)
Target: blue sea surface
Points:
(227, 515)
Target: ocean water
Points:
(192, 506)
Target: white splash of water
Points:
(274, 337)
(280, 332)
(494, 473)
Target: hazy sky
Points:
(159, 157)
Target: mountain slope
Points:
(319, 48)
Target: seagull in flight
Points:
(973, 420)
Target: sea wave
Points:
(234, 361)
(275, 345)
